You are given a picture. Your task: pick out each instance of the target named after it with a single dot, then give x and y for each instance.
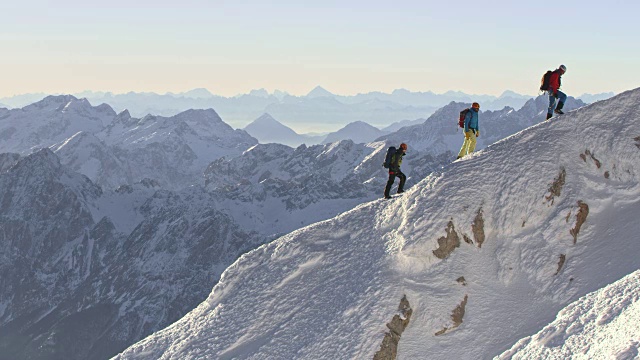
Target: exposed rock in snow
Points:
(389, 348)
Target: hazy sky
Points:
(231, 47)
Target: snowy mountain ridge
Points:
(105, 267)
(116, 149)
(49, 121)
(482, 254)
(440, 132)
(315, 181)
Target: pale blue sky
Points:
(231, 47)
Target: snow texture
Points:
(604, 324)
(326, 291)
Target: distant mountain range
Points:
(269, 130)
(319, 110)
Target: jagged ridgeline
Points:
(479, 256)
(114, 233)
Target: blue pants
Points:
(562, 97)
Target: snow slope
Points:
(440, 132)
(486, 253)
(602, 325)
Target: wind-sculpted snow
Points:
(604, 324)
(327, 291)
(85, 273)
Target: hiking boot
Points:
(558, 111)
(549, 116)
(387, 197)
(559, 108)
(400, 191)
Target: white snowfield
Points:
(602, 325)
(539, 219)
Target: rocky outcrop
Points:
(556, 188)
(447, 244)
(588, 153)
(467, 239)
(389, 348)
(456, 316)
(581, 217)
(7, 160)
(478, 228)
(563, 258)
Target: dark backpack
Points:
(387, 160)
(544, 82)
(463, 115)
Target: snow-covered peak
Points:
(513, 94)
(124, 117)
(69, 103)
(49, 121)
(269, 130)
(173, 150)
(52, 102)
(485, 253)
(43, 168)
(319, 91)
(261, 93)
(204, 115)
(199, 93)
(105, 108)
(358, 131)
(44, 160)
(266, 119)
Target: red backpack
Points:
(463, 115)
